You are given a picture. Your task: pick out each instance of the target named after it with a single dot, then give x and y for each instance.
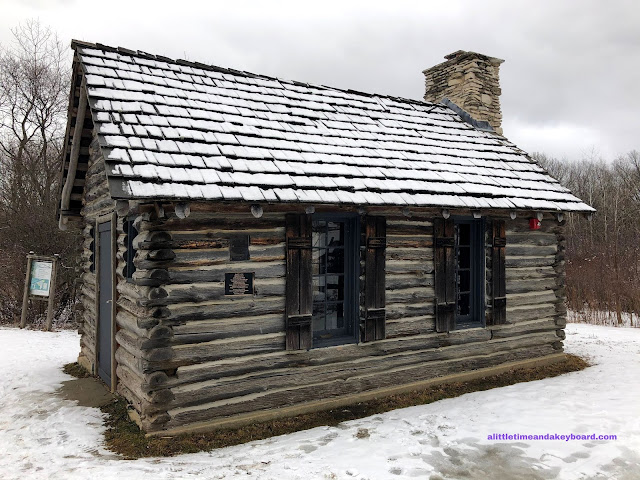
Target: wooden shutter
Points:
(445, 284)
(299, 295)
(376, 237)
(498, 284)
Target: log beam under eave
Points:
(73, 159)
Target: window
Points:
(469, 273)
(334, 263)
(459, 273)
(130, 232)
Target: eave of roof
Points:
(178, 130)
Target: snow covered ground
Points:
(45, 437)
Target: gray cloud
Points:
(570, 80)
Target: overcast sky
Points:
(570, 81)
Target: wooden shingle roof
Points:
(177, 130)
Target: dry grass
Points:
(75, 370)
(124, 437)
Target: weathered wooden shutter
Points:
(299, 295)
(376, 237)
(445, 284)
(498, 284)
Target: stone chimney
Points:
(471, 81)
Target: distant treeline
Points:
(603, 255)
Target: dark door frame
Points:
(109, 218)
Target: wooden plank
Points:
(188, 354)
(306, 284)
(220, 328)
(292, 396)
(531, 238)
(231, 307)
(25, 295)
(114, 299)
(531, 250)
(293, 230)
(52, 293)
(536, 261)
(230, 365)
(524, 328)
(530, 285)
(410, 295)
(75, 151)
(205, 292)
(498, 292)
(409, 253)
(444, 265)
(529, 273)
(238, 386)
(531, 298)
(397, 311)
(215, 273)
(375, 234)
(239, 421)
(407, 326)
(409, 267)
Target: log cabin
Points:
(257, 247)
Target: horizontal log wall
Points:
(410, 294)
(187, 353)
(535, 279)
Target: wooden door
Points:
(105, 332)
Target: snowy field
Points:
(45, 437)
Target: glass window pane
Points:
(332, 317)
(464, 233)
(319, 236)
(335, 288)
(464, 280)
(319, 289)
(340, 312)
(317, 320)
(335, 260)
(464, 257)
(463, 304)
(318, 260)
(335, 234)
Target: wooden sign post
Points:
(40, 284)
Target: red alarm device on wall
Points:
(534, 224)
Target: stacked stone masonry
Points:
(471, 81)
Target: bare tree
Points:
(34, 88)
(33, 91)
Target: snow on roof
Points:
(172, 129)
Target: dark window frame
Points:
(130, 253)
(351, 305)
(477, 272)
